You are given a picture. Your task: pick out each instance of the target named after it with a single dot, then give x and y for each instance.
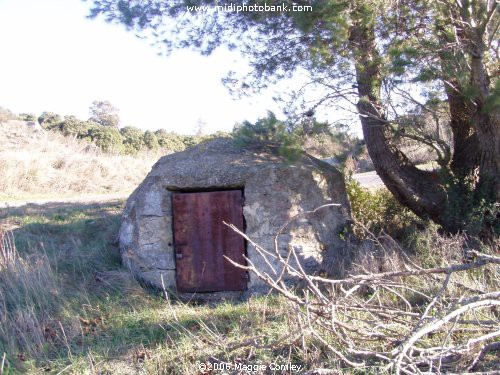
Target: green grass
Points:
(71, 306)
(67, 306)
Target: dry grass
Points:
(24, 305)
(46, 163)
(92, 317)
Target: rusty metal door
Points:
(201, 241)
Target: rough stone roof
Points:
(221, 162)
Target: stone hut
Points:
(173, 234)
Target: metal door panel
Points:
(201, 241)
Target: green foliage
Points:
(269, 132)
(72, 126)
(219, 134)
(49, 119)
(190, 140)
(472, 209)
(150, 140)
(127, 140)
(378, 211)
(27, 117)
(290, 140)
(104, 113)
(107, 138)
(493, 100)
(132, 139)
(170, 141)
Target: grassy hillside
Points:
(43, 163)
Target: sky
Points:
(55, 59)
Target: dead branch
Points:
(396, 320)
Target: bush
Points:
(379, 211)
(271, 133)
(190, 140)
(150, 140)
(169, 140)
(291, 139)
(72, 126)
(107, 138)
(27, 117)
(472, 209)
(49, 119)
(132, 139)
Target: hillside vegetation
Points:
(68, 157)
(38, 163)
(92, 317)
(412, 300)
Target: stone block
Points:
(152, 205)
(154, 229)
(158, 255)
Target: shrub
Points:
(150, 140)
(378, 211)
(170, 141)
(107, 138)
(132, 139)
(271, 133)
(27, 117)
(472, 209)
(49, 119)
(292, 138)
(190, 140)
(72, 126)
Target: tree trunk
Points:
(473, 175)
(418, 190)
(486, 123)
(465, 143)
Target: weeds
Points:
(379, 211)
(29, 294)
(71, 305)
(406, 320)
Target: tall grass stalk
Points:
(28, 297)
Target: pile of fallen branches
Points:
(409, 320)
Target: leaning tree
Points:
(391, 59)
